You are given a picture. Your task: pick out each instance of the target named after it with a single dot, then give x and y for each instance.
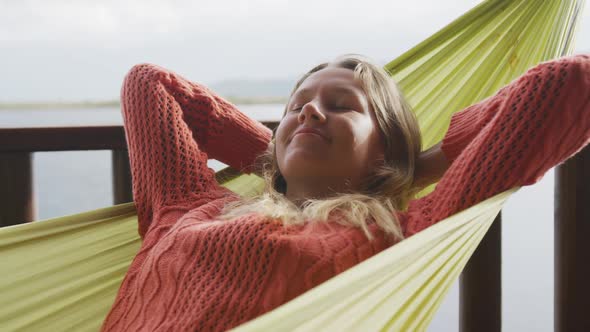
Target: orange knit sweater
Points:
(194, 272)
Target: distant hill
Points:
(275, 88)
(244, 91)
(51, 105)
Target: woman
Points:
(340, 176)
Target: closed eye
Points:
(344, 108)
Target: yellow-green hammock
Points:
(63, 273)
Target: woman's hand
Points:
(430, 166)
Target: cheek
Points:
(285, 126)
(281, 135)
(357, 134)
(362, 144)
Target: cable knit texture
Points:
(196, 273)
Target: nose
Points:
(311, 112)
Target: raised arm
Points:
(172, 126)
(510, 139)
(431, 166)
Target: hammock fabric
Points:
(65, 272)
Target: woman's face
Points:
(332, 103)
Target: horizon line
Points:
(117, 103)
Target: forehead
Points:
(331, 79)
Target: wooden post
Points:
(17, 200)
(122, 189)
(572, 244)
(480, 290)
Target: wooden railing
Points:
(480, 282)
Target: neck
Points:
(301, 189)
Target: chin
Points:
(307, 157)
(310, 169)
(305, 168)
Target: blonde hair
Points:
(390, 186)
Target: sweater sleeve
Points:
(172, 126)
(510, 139)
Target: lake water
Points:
(72, 182)
(105, 116)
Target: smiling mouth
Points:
(308, 134)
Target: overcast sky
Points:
(80, 50)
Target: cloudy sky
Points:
(80, 50)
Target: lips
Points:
(311, 131)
